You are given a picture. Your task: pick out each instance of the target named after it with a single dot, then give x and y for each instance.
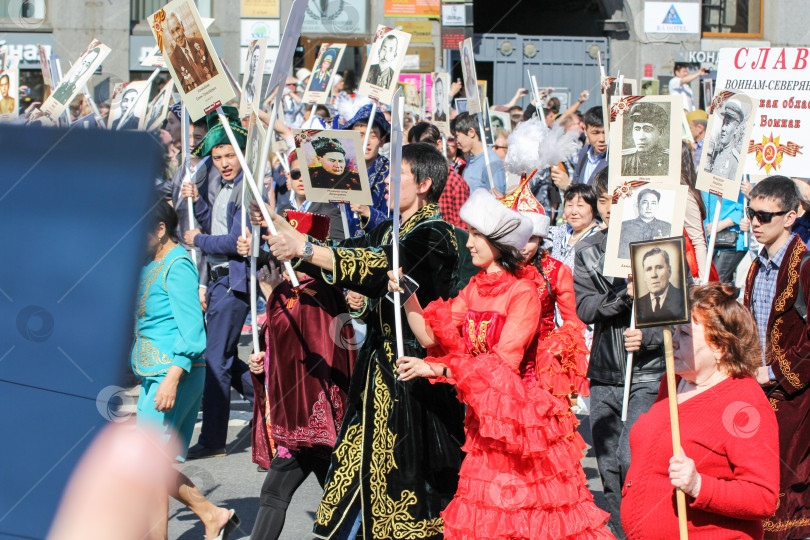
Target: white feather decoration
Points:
(558, 145)
(523, 155)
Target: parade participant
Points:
(484, 343)
(227, 298)
(728, 471)
(562, 360)
(777, 291)
(168, 358)
(475, 173)
(331, 171)
(697, 126)
(649, 157)
(694, 233)
(299, 203)
(581, 213)
(592, 158)
(377, 167)
(399, 447)
(680, 84)
(307, 351)
(605, 303)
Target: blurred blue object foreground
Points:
(74, 209)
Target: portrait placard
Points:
(190, 57)
(253, 151)
(9, 88)
(500, 121)
(379, 80)
(75, 79)
(333, 167)
(731, 119)
(641, 211)
(661, 297)
(470, 77)
(45, 65)
(319, 88)
(127, 96)
(252, 78)
(440, 101)
(154, 58)
(645, 139)
(489, 135)
(158, 107)
(609, 89)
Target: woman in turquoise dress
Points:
(168, 358)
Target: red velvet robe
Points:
(301, 398)
(788, 353)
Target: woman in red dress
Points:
(521, 477)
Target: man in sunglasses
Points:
(777, 291)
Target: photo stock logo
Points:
(114, 404)
(508, 492)
(35, 323)
(341, 330)
(23, 13)
(336, 16)
(741, 419)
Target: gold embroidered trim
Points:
(348, 454)
(774, 404)
(793, 276)
(357, 264)
(776, 526)
(779, 356)
(478, 338)
(149, 355)
(391, 519)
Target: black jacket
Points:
(603, 302)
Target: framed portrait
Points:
(158, 107)
(609, 89)
(380, 76)
(731, 119)
(645, 139)
(190, 57)
(470, 77)
(75, 79)
(128, 96)
(649, 87)
(252, 78)
(333, 166)
(253, 154)
(461, 105)
(440, 101)
(660, 290)
(641, 211)
(319, 88)
(500, 121)
(9, 88)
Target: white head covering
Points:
(494, 220)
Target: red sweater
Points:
(730, 432)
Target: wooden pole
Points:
(672, 391)
(628, 374)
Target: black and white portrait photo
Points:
(384, 63)
(645, 144)
(75, 79)
(659, 281)
(127, 99)
(156, 112)
(252, 81)
(609, 89)
(470, 77)
(439, 98)
(725, 145)
(646, 225)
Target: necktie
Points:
(657, 303)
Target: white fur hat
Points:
(541, 223)
(483, 211)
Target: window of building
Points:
(141, 9)
(732, 18)
(23, 11)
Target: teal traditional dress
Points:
(169, 330)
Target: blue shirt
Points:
(765, 290)
(475, 173)
(696, 153)
(377, 173)
(729, 209)
(592, 160)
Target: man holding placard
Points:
(777, 291)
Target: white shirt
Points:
(685, 90)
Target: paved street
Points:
(234, 482)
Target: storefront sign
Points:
(24, 46)
(269, 29)
(420, 31)
(672, 17)
(413, 8)
(260, 8)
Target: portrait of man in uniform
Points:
(189, 55)
(253, 74)
(65, 90)
(664, 301)
(646, 225)
(331, 170)
(382, 73)
(320, 79)
(7, 103)
(724, 148)
(649, 153)
(127, 101)
(439, 100)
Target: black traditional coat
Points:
(788, 353)
(399, 450)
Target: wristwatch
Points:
(308, 251)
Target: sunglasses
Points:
(295, 174)
(763, 217)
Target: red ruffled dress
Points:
(521, 477)
(561, 366)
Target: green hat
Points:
(216, 133)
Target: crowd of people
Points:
(509, 328)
